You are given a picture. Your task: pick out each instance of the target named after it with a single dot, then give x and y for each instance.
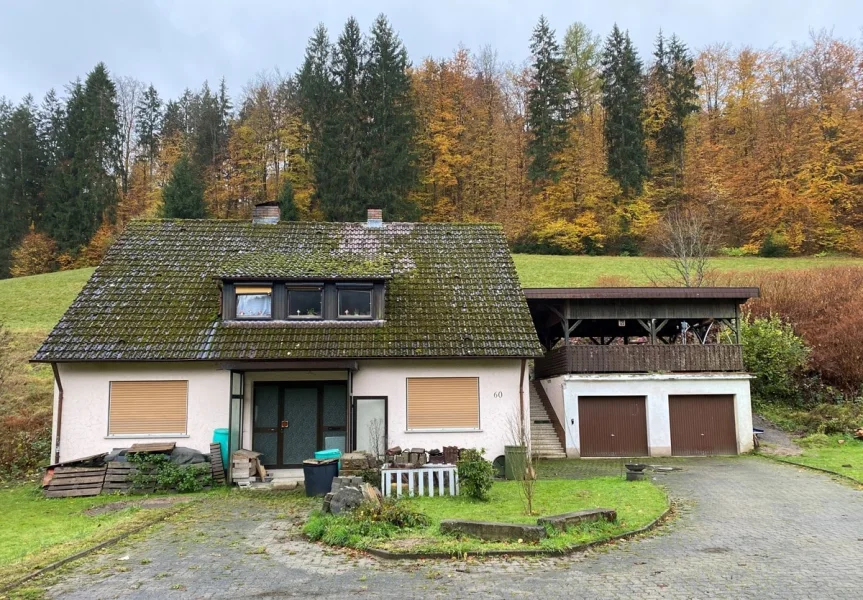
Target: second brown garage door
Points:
(702, 425)
(612, 425)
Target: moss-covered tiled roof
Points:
(451, 290)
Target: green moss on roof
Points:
(451, 290)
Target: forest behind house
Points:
(582, 149)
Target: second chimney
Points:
(375, 218)
(266, 213)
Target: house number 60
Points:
(498, 394)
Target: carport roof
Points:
(641, 293)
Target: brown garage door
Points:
(612, 425)
(702, 425)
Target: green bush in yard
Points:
(365, 523)
(475, 474)
(776, 356)
(157, 472)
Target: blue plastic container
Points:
(327, 454)
(220, 436)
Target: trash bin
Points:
(515, 458)
(220, 436)
(319, 476)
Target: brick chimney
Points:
(266, 213)
(375, 218)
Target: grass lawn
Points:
(38, 302)
(637, 504)
(833, 457)
(536, 270)
(37, 531)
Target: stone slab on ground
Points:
(499, 532)
(566, 520)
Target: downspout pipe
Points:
(521, 393)
(59, 411)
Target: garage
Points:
(612, 426)
(702, 425)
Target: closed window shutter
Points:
(443, 403)
(148, 407)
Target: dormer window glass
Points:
(254, 301)
(355, 303)
(305, 302)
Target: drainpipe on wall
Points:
(59, 411)
(521, 392)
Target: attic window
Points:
(254, 301)
(305, 302)
(355, 302)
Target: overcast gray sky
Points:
(180, 43)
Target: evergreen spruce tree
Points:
(287, 203)
(183, 195)
(82, 192)
(390, 126)
(341, 158)
(148, 126)
(623, 102)
(547, 104)
(22, 174)
(315, 94)
(682, 101)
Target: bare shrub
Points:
(525, 473)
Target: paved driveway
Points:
(746, 527)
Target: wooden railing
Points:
(643, 358)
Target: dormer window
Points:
(305, 302)
(355, 302)
(254, 301)
(322, 301)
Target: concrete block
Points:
(567, 520)
(494, 531)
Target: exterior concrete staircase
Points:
(544, 442)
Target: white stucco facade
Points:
(86, 391)
(656, 388)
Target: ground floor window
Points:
(442, 403)
(148, 407)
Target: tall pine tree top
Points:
(390, 126)
(547, 104)
(623, 101)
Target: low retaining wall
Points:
(498, 532)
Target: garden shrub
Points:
(367, 522)
(157, 472)
(832, 418)
(475, 474)
(776, 356)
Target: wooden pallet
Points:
(217, 469)
(152, 447)
(118, 478)
(67, 482)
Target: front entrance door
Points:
(291, 421)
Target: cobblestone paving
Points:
(746, 527)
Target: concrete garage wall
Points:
(656, 388)
(498, 399)
(84, 428)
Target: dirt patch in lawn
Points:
(124, 504)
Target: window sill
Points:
(132, 436)
(443, 431)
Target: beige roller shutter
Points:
(148, 407)
(443, 403)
